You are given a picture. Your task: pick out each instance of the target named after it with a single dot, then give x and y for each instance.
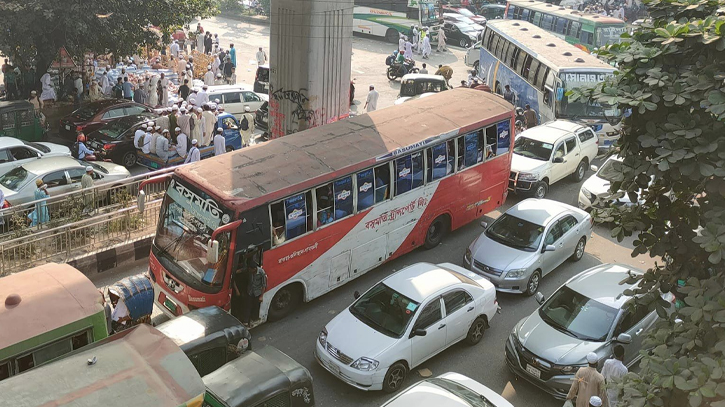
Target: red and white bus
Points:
(319, 208)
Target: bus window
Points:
(451, 150)
(5, 370)
(472, 149)
(418, 168)
(291, 216)
(502, 136)
(403, 175)
(514, 57)
(587, 38)
(560, 25)
(491, 141)
(439, 164)
(509, 52)
(365, 189)
(459, 154)
(342, 189)
(547, 22)
(382, 183)
(521, 60)
(526, 14)
(532, 69)
(574, 28)
(499, 47)
(541, 76)
(325, 205)
(486, 36)
(24, 363)
(537, 18)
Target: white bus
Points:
(388, 18)
(541, 68)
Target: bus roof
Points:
(553, 51)
(560, 11)
(302, 160)
(138, 367)
(51, 296)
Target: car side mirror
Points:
(356, 294)
(624, 338)
(539, 297)
(484, 224)
(558, 160)
(418, 332)
(594, 168)
(548, 248)
(212, 252)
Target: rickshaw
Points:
(137, 294)
(19, 119)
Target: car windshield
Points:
(578, 315)
(94, 165)
(608, 35)
(581, 109)
(113, 130)
(466, 28)
(611, 170)
(186, 222)
(469, 396)
(86, 112)
(385, 310)
(413, 87)
(531, 148)
(16, 178)
(43, 149)
(515, 232)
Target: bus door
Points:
(251, 239)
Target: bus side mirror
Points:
(141, 201)
(212, 252)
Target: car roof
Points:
(222, 88)
(541, 211)
(45, 165)
(421, 280)
(552, 131)
(423, 76)
(10, 142)
(605, 283)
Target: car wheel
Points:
(533, 285)
(129, 159)
(475, 333)
(541, 189)
(581, 170)
(395, 378)
(392, 35)
(463, 43)
(437, 230)
(283, 302)
(579, 249)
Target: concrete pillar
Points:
(309, 58)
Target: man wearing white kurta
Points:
(202, 97)
(209, 76)
(209, 121)
(164, 91)
(219, 142)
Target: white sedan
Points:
(15, 152)
(448, 390)
(403, 321)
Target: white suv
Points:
(548, 153)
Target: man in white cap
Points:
(587, 383)
(595, 401)
(162, 146)
(215, 64)
(105, 84)
(180, 144)
(246, 126)
(87, 183)
(219, 80)
(261, 57)
(164, 83)
(220, 144)
(146, 144)
(174, 49)
(184, 121)
(208, 120)
(194, 154)
(202, 97)
(138, 136)
(371, 103)
(613, 370)
(181, 66)
(154, 136)
(163, 120)
(209, 76)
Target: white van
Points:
(235, 98)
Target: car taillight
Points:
(109, 146)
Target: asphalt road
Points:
(296, 335)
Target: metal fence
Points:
(79, 239)
(81, 204)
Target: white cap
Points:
(216, 100)
(208, 67)
(205, 87)
(198, 109)
(592, 358)
(194, 141)
(165, 131)
(143, 126)
(89, 168)
(218, 75)
(219, 129)
(174, 107)
(595, 401)
(182, 110)
(157, 128)
(247, 109)
(177, 129)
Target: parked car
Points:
(546, 154)
(481, 20)
(20, 119)
(14, 152)
(473, 55)
(237, 97)
(448, 390)
(461, 34)
(261, 118)
(417, 85)
(492, 11)
(261, 79)
(404, 320)
(459, 18)
(588, 313)
(527, 242)
(93, 115)
(116, 138)
(60, 174)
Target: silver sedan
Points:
(527, 242)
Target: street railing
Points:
(80, 204)
(78, 239)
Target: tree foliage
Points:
(671, 74)
(34, 30)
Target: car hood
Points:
(499, 256)
(7, 193)
(355, 338)
(114, 170)
(56, 149)
(520, 163)
(597, 186)
(550, 344)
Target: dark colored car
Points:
(93, 115)
(492, 11)
(461, 34)
(478, 19)
(116, 137)
(262, 116)
(261, 79)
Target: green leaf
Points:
(683, 384)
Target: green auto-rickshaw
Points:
(19, 119)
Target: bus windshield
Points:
(186, 222)
(582, 109)
(428, 15)
(609, 34)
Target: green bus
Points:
(136, 367)
(584, 30)
(389, 18)
(48, 311)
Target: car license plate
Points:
(533, 371)
(67, 126)
(170, 305)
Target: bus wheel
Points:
(283, 302)
(436, 232)
(392, 35)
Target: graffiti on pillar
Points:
(302, 117)
(276, 119)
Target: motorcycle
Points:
(397, 70)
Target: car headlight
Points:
(365, 364)
(323, 337)
(525, 176)
(467, 256)
(586, 192)
(515, 273)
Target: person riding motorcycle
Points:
(83, 152)
(406, 64)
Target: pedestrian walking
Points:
(613, 370)
(426, 45)
(220, 144)
(530, 117)
(424, 69)
(78, 85)
(208, 41)
(40, 214)
(371, 103)
(587, 383)
(200, 37)
(261, 57)
(508, 94)
(184, 90)
(127, 89)
(164, 90)
(408, 49)
(246, 126)
(87, 183)
(193, 155)
(255, 291)
(445, 71)
(401, 43)
(442, 40)
(117, 90)
(208, 124)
